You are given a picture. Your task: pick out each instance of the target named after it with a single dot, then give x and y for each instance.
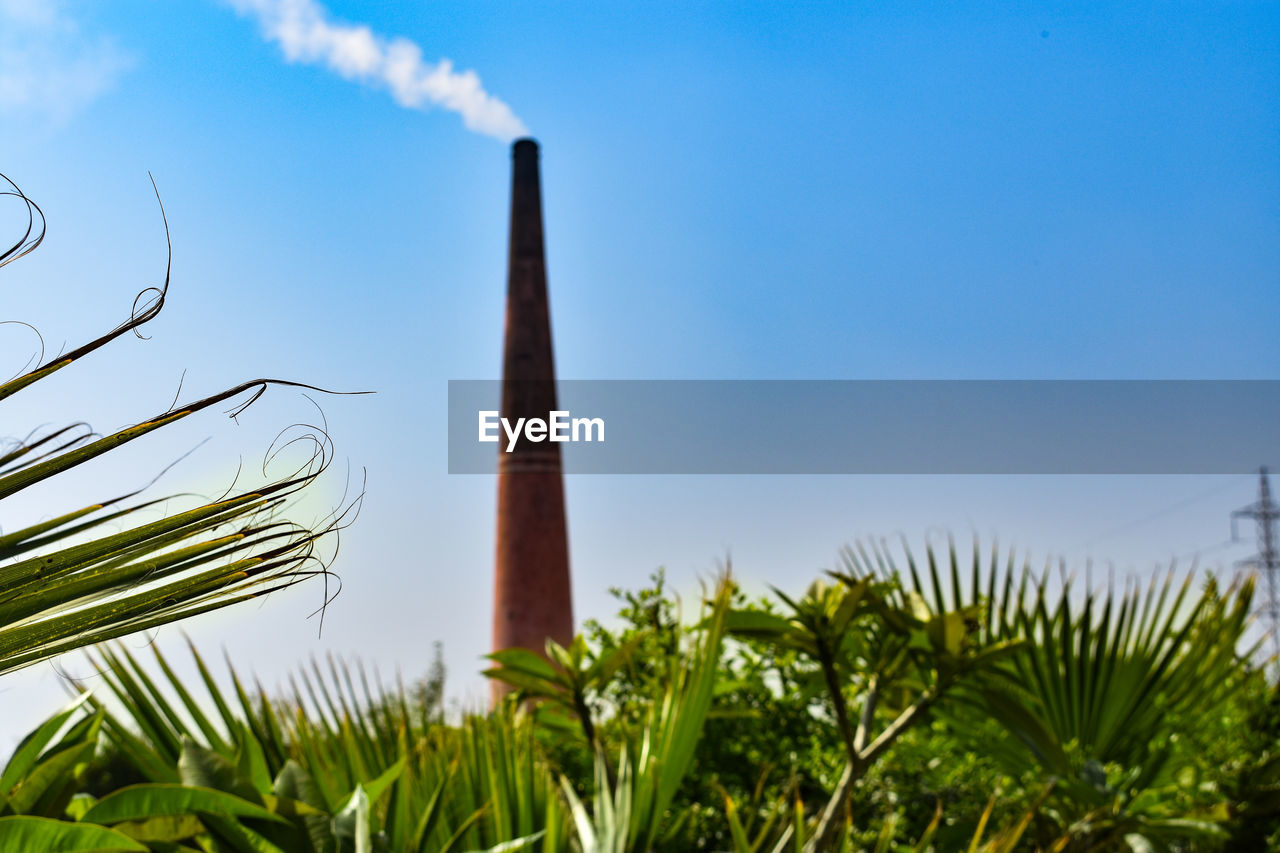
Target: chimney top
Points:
(524, 147)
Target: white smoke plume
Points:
(305, 33)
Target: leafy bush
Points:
(939, 708)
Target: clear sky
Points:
(732, 190)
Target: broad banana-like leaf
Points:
(45, 835)
(140, 802)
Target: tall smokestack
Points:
(532, 599)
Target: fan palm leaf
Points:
(100, 571)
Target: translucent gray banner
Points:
(874, 427)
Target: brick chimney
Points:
(532, 599)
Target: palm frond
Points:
(100, 571)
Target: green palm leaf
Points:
(96, 572)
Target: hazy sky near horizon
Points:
(732, 190)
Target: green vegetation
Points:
(958, 705)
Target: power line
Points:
(1197, 553)
(1162, 512)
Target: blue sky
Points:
(745, 190)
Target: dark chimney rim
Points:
(525, 144)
